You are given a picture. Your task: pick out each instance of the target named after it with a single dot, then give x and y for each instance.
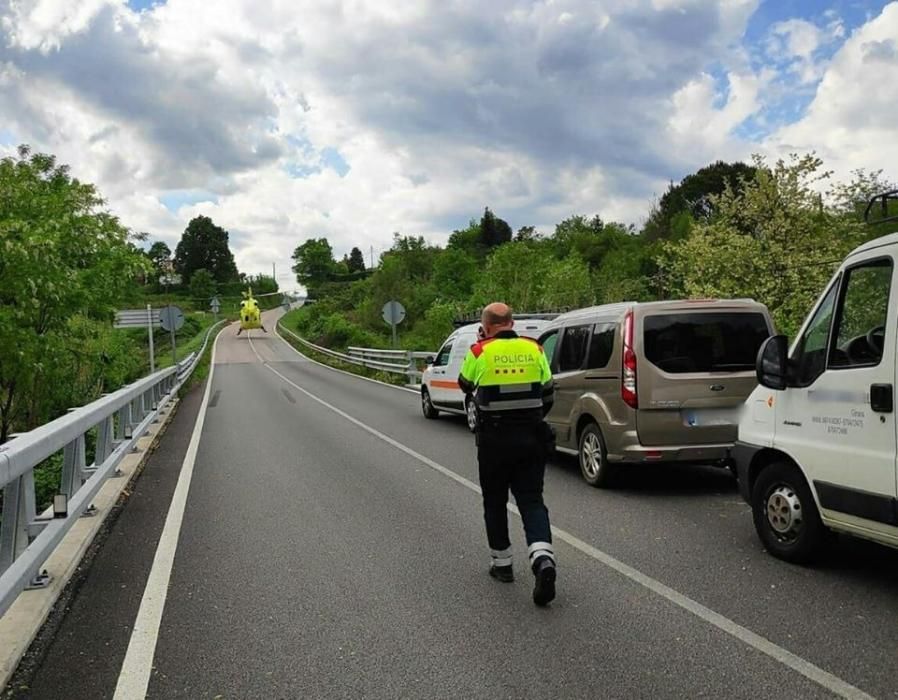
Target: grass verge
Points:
(386, 377)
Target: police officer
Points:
(512, 387)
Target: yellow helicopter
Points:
(250, 313)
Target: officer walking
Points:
(512, 386)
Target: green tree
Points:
(515, 273)
(202, 284)
(160, 255)
(774, 240)
(694, 195)
(204, 245)
(63, 257)
(313, 263)
(455, 271)
(493, 230)
(356, 262)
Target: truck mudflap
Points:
(743, 454)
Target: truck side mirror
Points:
(428, 360)
(772, 365)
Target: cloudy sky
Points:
(352, 119)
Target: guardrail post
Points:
(123, 430)
(16, 516)
(412, 367)
(74, 462)
(105, 437)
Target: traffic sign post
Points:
(172, 318)
(150, 333)
(140, 318)
(215, 305)
(393, 313)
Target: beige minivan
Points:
(652, 382)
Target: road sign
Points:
(171, 318)
(215, 305)
(393, 312)
(136, 318)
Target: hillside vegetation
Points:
(774, 233)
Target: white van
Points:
(817, 441)
(439, 384)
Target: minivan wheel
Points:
(427, 405)
(785, 515)
(594, 459)
(471, 413)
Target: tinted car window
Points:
(601, 346)
(704, 342)
(861, 322)
(573, 348)
(443, 356)
(810, 356)
(549, 341)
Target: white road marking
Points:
(134, 678)
(814, 673)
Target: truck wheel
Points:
(785, 515)
(427, 405)
(594, 459)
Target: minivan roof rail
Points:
(521, 316)
(883, 198)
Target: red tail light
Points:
(628, 376)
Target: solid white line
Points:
(134, 678)
(334, 369)
(765, 646)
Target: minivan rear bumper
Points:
(634, 452)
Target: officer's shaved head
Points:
(496, 317)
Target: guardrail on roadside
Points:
(395, 361)
(28, 538)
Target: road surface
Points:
(332, 546)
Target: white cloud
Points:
(851, 121)
(537, 109)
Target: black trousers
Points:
(514, 457)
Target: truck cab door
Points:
(837, 419)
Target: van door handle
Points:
(882, 398)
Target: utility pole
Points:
(274, 274)
(372, 258)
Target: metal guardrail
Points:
(395, 361)
(27, 538)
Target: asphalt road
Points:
(330, 548)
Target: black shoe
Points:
(505, 574)
(544, 586)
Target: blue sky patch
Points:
(173, 200)
(138, 5)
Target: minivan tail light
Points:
(628, 376)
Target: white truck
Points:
(817, 449)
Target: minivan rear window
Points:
(704, 342)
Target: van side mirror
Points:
(428, 360)
(772, 364)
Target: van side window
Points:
(601, 346)
(861, 319)
(442, 358)
(810, 353)
(573, 348)
(549, 341)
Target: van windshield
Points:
(704, 342)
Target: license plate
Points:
(710, 417)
